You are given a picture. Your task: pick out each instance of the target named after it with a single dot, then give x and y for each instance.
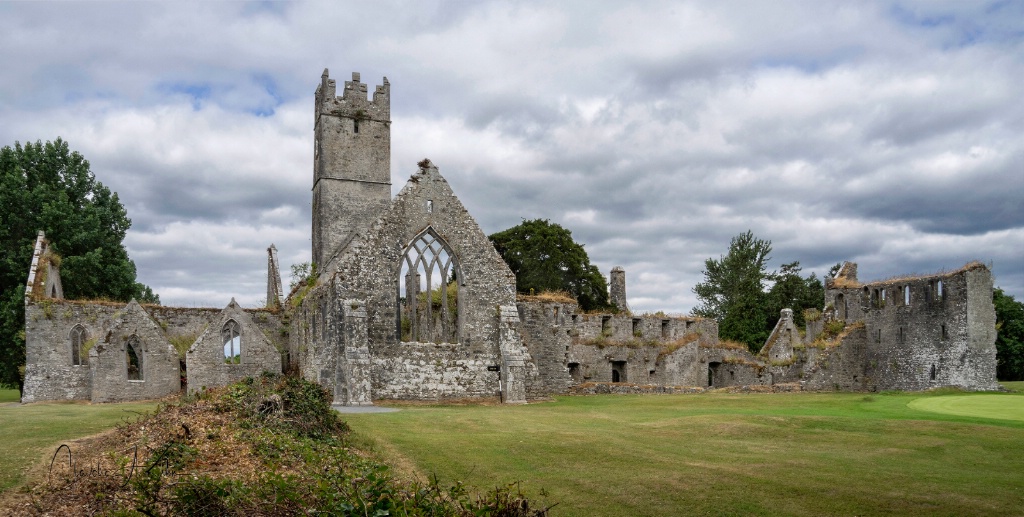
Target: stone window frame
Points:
(133, 347)
(231, 336)
(415, 256)
(77, 337)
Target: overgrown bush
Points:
(269, 445)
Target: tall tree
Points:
(733, 290)
(544, 257)
(1009, 336)
(792, 291)
(51, 188)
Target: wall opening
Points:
(712, 370)
(840, 306)
(606, 326)
(664, 329)
(355, 125)
(79, 355)
(575, 372)
(428, 291)
(133, 359)
(906, 295)
(938, 291)
(618, 371)
(932, 374)
(637, 331)
(231, 337)
(945, 332)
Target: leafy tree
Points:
(544, 257)
(49, 187)
(792, 291)
(733, 291)
(1009, 336)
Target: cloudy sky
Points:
(887, 133)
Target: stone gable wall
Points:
(161, 373)
(205, 358)
(49, 373)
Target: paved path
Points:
(363, 409)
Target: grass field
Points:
(724, 454)
(9, 396)
(33, 431)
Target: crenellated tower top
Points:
(351, 162)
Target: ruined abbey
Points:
(411, 301)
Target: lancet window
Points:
(79, 355)
(428, 291)
(231, 335)
(133, 359)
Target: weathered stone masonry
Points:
(411, 301)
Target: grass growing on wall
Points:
(720, 454)
(33, 431)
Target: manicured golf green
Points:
(986, 406)
(721, 454)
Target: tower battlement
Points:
(353, 101)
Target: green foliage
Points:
(544, 257)
(48, 187)
(733, 291)
(1009, 336)
(792, 291)
(296, 462)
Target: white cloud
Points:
(886, 133)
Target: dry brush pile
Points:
(265, 446)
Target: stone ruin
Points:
(411, 301)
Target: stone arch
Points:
(428, 290)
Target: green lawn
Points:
(722, 454)
(33, 431)
(9, 396)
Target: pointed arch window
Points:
(133, 358)
(79, 355)
(231, 335)
(428, 291)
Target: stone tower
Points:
(351, 163)
(617, 288)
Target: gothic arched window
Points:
(428, 291)
(133, 359)
(232, 339)
(79, 356)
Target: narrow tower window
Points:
(232, 336)
(355, 126)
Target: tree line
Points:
(49, 187)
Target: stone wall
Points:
(368, 268)
(160, 373)
(207, 365)
(547, 333)
(50, 373)
(923, 332)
